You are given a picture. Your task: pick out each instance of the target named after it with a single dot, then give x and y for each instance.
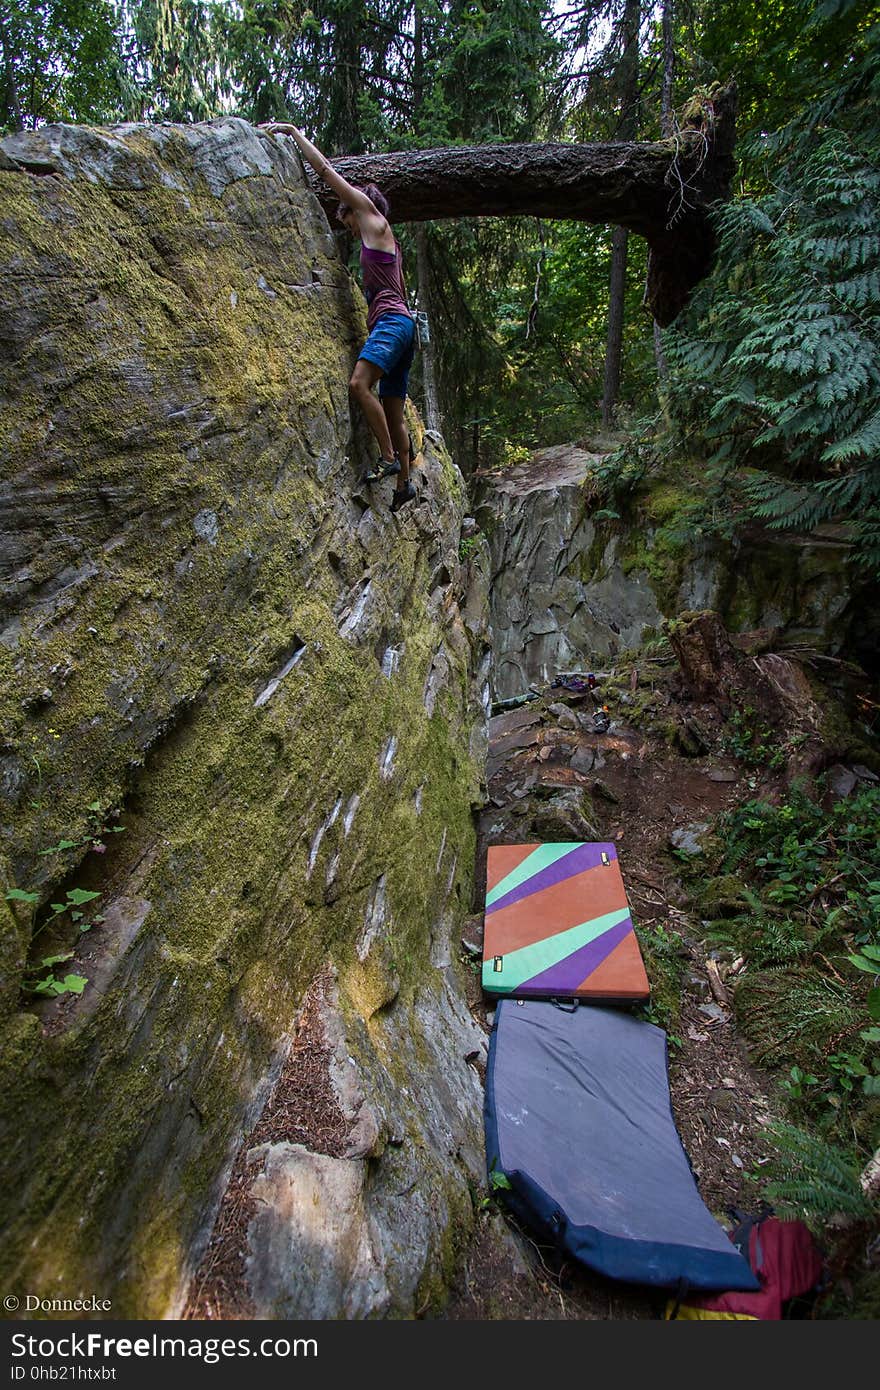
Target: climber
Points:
(387, 355)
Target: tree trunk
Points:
(660, 358)
(614, 344)
(12, 103)
(343, 117)
(429, 378)
(431, 402)
(667, 129)
(667, 122)
(623, 183)
(628, 127)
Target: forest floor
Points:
(641, 791)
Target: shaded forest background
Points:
(769, 385)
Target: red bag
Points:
(785, 1258)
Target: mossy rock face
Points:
(576, 590)
(201, 597)
(329, 1236)
(723, 896)
(562, 597)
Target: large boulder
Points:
(200, 605)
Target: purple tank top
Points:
(384, 289)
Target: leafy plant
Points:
(778, 365)
(800, 1081)
(662, 950)
(498, 1182)
(750, 742)
(48, 983)
(73, 914)
(806, 855)
(868, 959)
(466, 547)
(812, 1178)
(96, 830)
(808, 929)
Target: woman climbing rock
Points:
(386, 356)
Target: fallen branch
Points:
(716, 984)
(870, 1178)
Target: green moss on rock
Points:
(180, 440)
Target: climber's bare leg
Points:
(393, 408)
(363, 379)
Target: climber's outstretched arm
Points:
(356, 198)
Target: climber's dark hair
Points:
(376, 197)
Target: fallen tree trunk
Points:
(661, 191)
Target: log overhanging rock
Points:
(662, 191)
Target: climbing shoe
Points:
(382, 468)
(402, 496)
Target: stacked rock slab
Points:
(571, 588)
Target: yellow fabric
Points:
(705, 1314)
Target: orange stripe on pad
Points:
(621, 974)
(501, 860)
(566, 904)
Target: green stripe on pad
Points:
(531, 960)
(540, 858)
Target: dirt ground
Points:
(641, 792)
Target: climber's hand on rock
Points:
(277, 128)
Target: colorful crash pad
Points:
(558, 924)
(581, 1144)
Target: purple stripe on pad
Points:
(588, 856)
(567, 974)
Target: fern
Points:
(812, 1178)
(864, 441)
(778, 363)
(780, 504)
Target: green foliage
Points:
(813, 1179)
(97, 829)
(778, 364)
(617, 477)
(498, 1184)
(664, 961)
(530, 375)
(793, 58)
(67, 918)
(766, 940)
(751, 742)
(18, 895)
(466, 547)
(868, 959)
(803, 850)
(179, 60)
(810, 938)
(266, 44)
(489, 65)
(800, 1081)
(60, 60)
(40, 979)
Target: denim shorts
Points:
(391, 346)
